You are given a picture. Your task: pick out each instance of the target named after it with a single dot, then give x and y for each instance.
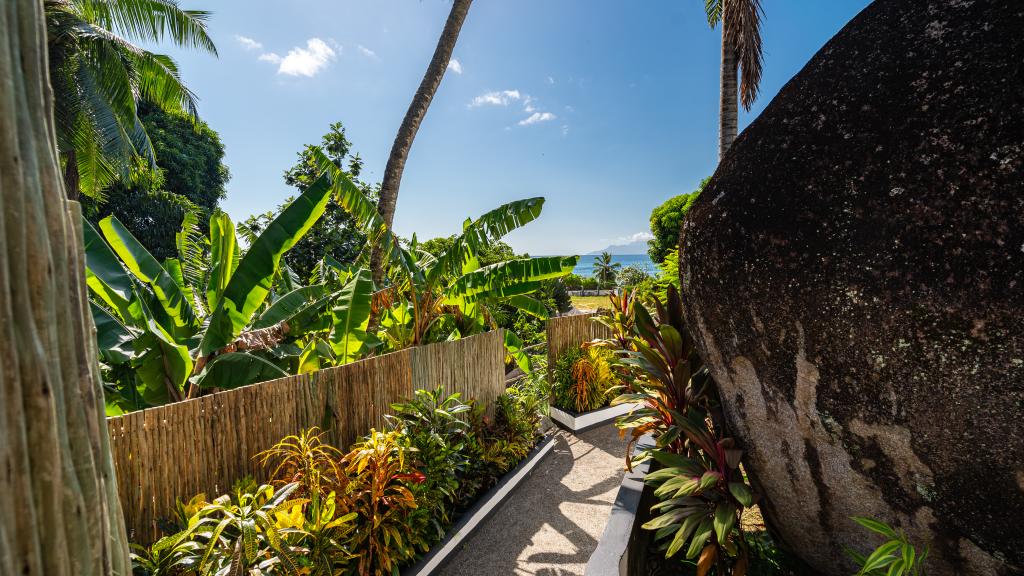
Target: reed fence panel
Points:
(205, 444)
(567, 331)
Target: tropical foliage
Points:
(666, 220)
(631, 276)
(100, 73)
(219, 316)
(168, 330)
(190, 177)
(583, 378)
(336, 234)
(896, 556)
(701, 489)
(369, 511)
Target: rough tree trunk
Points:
(728, 107)
(72, 180)
(58, 489)
(411, 124)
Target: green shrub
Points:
(369, 511)
(631, 276)
(435, 426)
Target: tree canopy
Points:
(665, 222)
(336, 234)
(190, 176)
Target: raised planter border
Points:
(587, 420)
(442, 552)
(611, 557)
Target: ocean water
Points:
(585, 267)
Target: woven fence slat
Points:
(204, 445)
(567, 331)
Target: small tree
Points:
(605, 270)
(666, 220)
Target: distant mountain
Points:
(637, 247)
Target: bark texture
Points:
(728, 114)
(411, 124)
(57, 484)
(854, 276)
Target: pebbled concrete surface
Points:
(550, 525)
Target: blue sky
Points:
(604, 107)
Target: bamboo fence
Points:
(567, 331)
(205, 444)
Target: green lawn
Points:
(590, 302)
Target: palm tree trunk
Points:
(72, 181)
(411, 124)
(62, 515)
(728, 106)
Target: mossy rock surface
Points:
(854, 275)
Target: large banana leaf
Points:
(529, 305)
(176, 271)
(113, 339)
(287, 306)
(145, 267)
(105, 275)
(164, 363)
(485, 231)
(351, 317)
(237, 369)
(509, 278)
(223, 257)
(514, 348)
(251, 282)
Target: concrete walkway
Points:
(550, 525)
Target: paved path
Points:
(550, 524)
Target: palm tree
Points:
(741, 52)
(62, 513)
(411, 124)
(605, 270)
(99, 74)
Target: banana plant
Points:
(449, 296)
(167, 330)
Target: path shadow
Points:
(533, 511)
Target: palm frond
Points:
(743, 30)
(713, 10)
(151, 21)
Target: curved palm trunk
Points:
(411, 124)
(728, 117)
(59, 495)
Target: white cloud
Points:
(502, 98)
(366, 51)
(537, 117)
(565, 129)
(636, 237)
(455, 66)
(551, 80)
(528, 104)
(248, 43)
(308, 61)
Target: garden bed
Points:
(621, 549)
(581, 421)
(468, 523)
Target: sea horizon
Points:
(585, 266)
